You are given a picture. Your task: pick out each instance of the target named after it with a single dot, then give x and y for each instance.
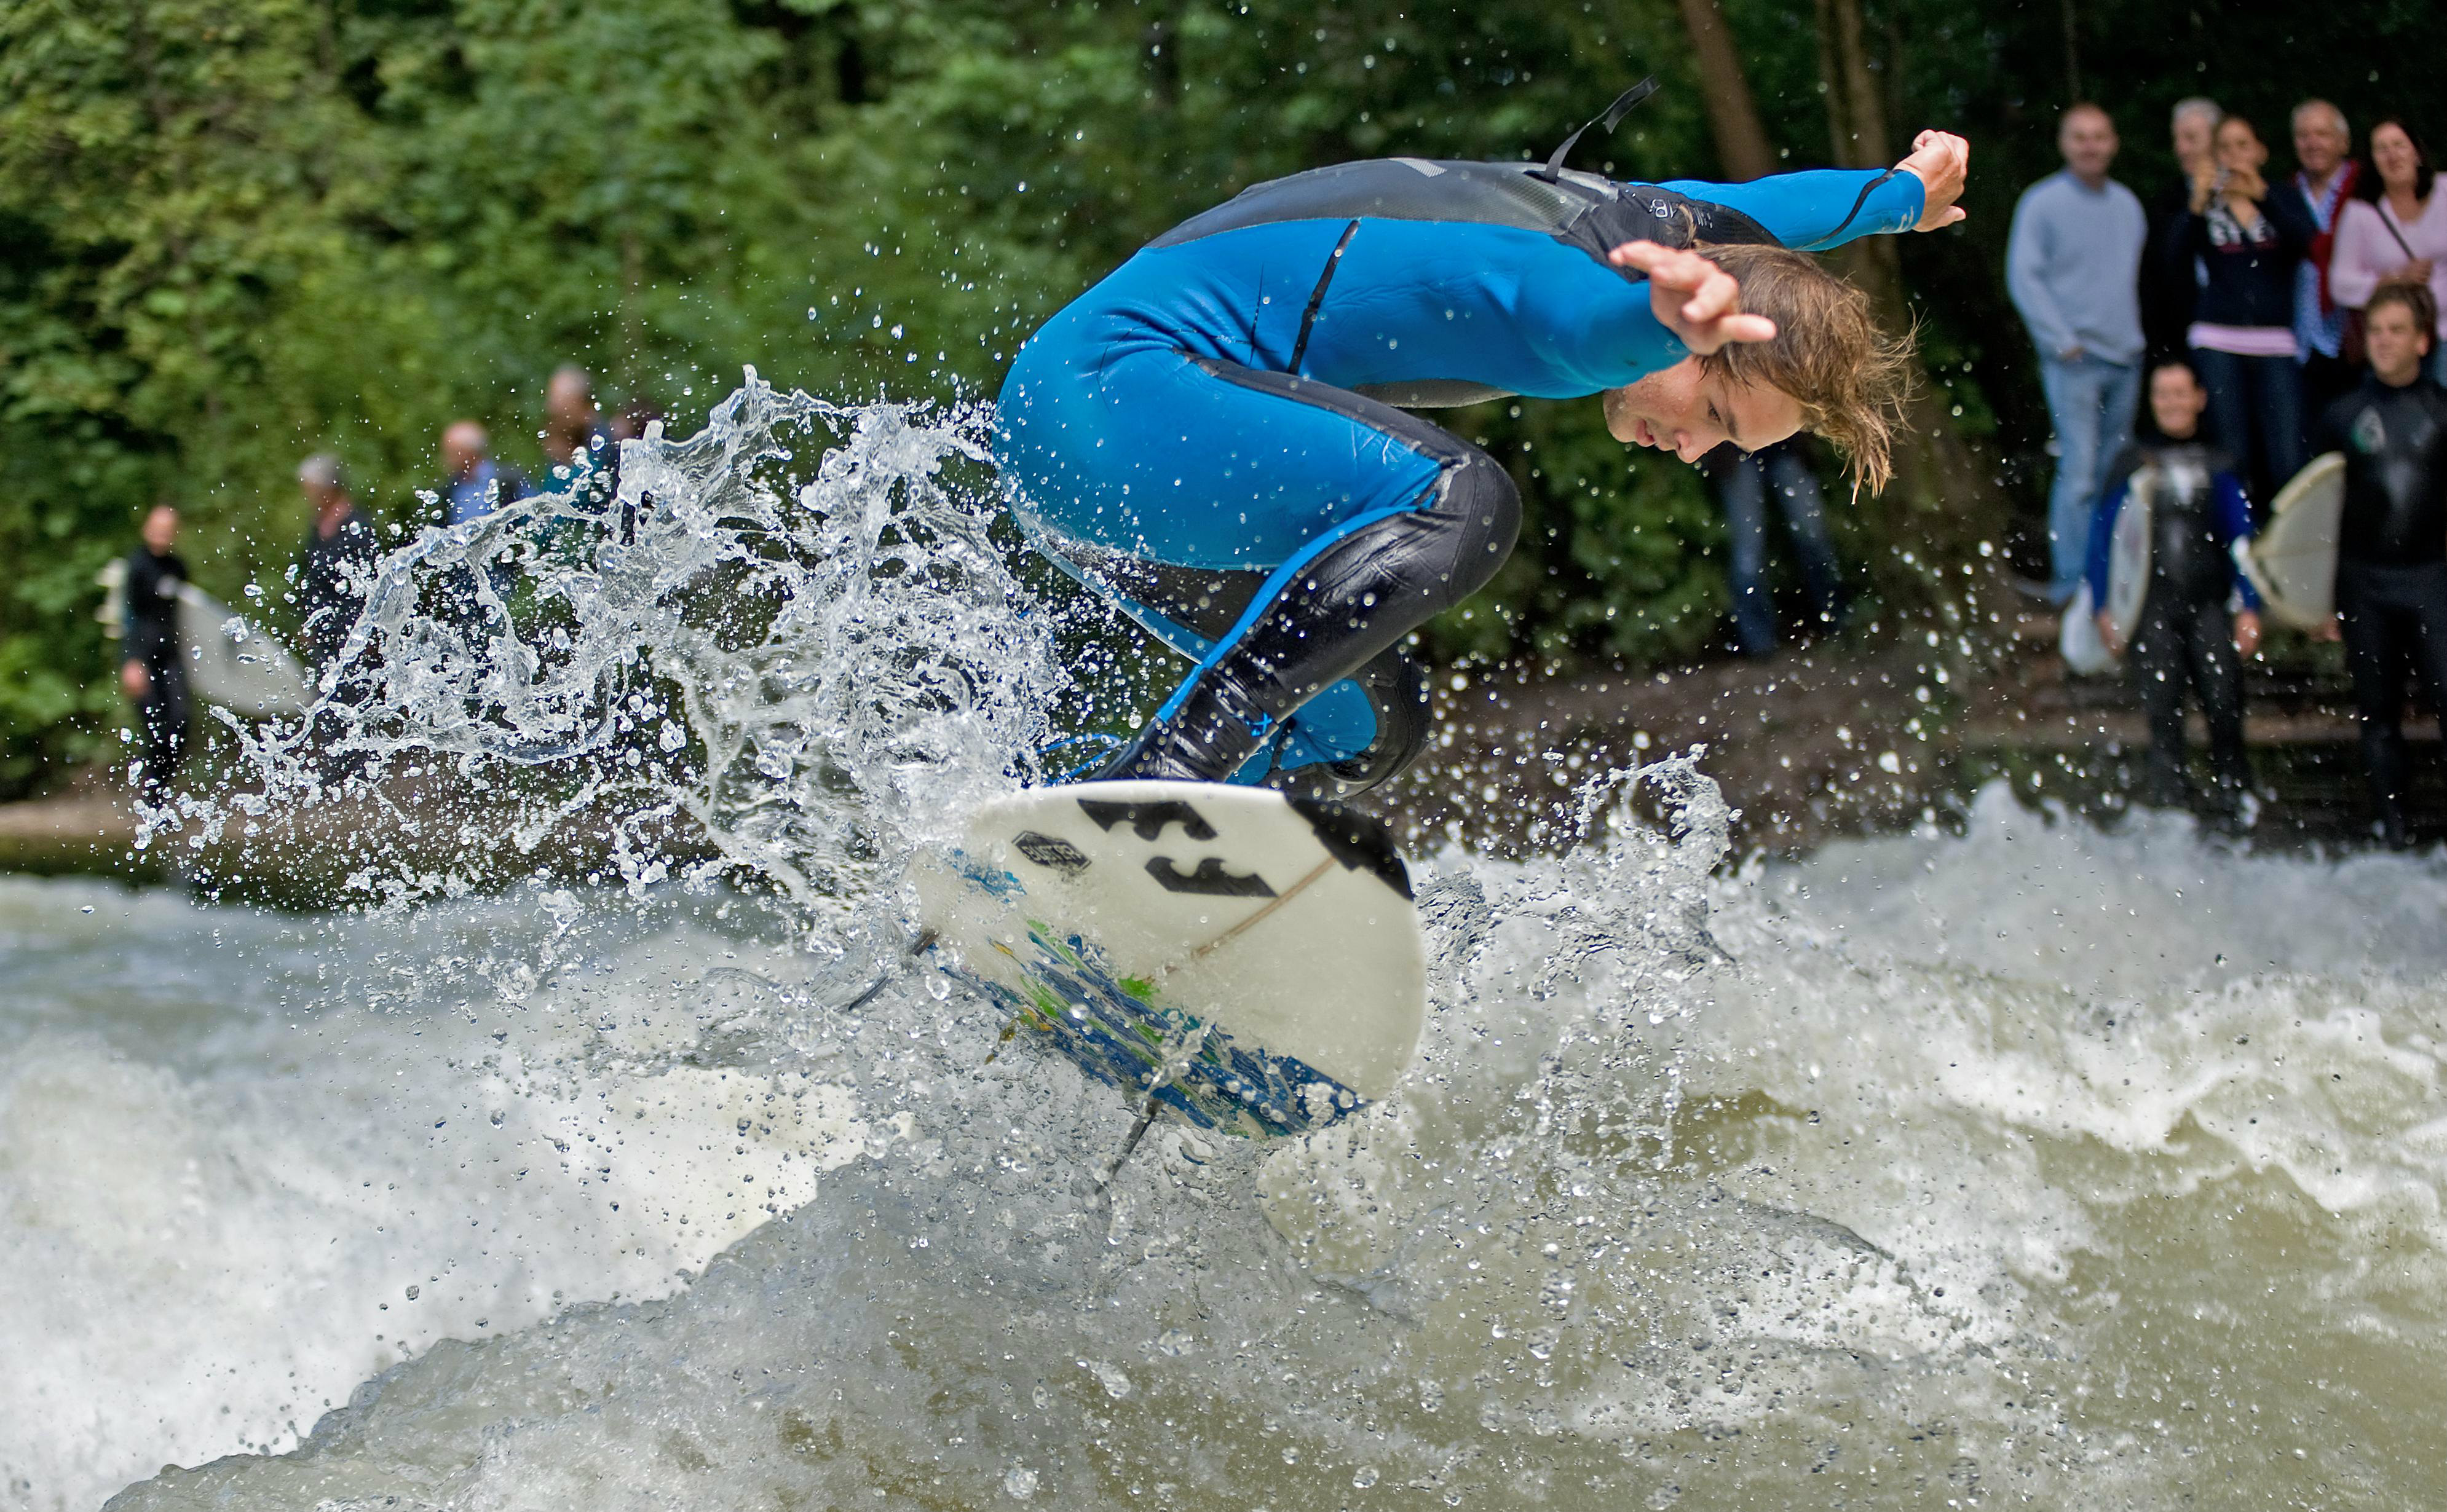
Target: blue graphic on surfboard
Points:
(2292, 563)
(2128, 588)
(1252, 961)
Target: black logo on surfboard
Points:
(1148, 819)
(1209, 877)
(1047, 851)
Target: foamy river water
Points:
(2031, 1166)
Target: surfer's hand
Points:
(1692, 297)
(2108, 635)
(135, 679)
(2332, 630)
(2247, 632)
(1941, 161)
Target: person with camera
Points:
(2250, 240)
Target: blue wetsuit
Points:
(1209, 435)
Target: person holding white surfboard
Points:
(2183, 637)
(152, 670)
(2392, 537)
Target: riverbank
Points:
(1816, 744)
(1841, 739)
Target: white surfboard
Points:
(2077, 638)
(1252, 960)
(234, 664)
(2292, 563)
(2128, 560)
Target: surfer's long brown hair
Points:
(1852, 379)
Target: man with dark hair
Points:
(2392, 542)
(153, 667)
(2073, 265)
(1210, 436)
(2186, 639)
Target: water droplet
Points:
(1364, 1477)
(1020, 1483)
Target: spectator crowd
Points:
(2244, 321)
(334, 564)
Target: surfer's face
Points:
(2177, 400)
(160, 529)
(1690, 411)
(2395, 343)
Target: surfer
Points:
(2186, 637)
(152, 671)
(2392, 538)
(1210, 437)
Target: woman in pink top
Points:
(2395, 230)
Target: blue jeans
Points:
(2255, 416)
(2089, 404)
(1743, 485)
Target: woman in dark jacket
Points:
(2250, 240)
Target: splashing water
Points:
(2036, 1166)
(806, 668)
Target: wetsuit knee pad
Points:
(1480, 496)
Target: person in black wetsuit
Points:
(153, 667)
(2392, 542)
(2198, 509)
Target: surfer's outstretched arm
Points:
(1826, 207)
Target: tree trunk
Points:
(1732, 115)
(1950, 502)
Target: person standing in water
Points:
(2198, 510)
(2392, 542)
(153, 662)
(1210, 438)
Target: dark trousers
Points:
(161, 718)
(2256, 415)
(2394, 618)
(1744, 484)
(2182, 643)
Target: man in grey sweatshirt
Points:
(2073, 264)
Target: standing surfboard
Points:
(1253, 962)
(2293, 562)
(234, 664)
(2128, 559)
